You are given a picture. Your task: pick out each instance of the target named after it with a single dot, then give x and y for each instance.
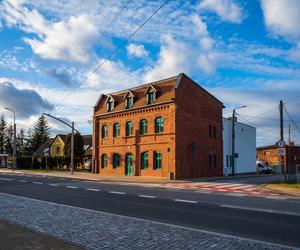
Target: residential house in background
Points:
(44, 149)
(169, 128)
(269, 155)
(58, 145)
(245, 147)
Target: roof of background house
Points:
(41, 149)
(165, 89)
(273, 147)
(62, 136)
(87, 144)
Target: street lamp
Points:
(14, 143)
(233, 138)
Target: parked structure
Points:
(170, 128)
(245, 147)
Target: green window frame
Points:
(129, 128)
(116, 160)
(159, 125)
(116, 129)
(144, 160)
(103, 160)
(143, 127)
(104, 131)
(110, 106)
(150, 97)
(157, 160)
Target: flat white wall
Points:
(245, 146)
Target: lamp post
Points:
(233, 138)
(14, 143)
(72, 138)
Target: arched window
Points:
(129, 128)
(103, 160)
(159, 125)
(143, 127)
(116, 160)
(104, 131)
(157, 160)
(116, 131)
(144, 160)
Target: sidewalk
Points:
(120, 179)
(20, 238)
(284, 190)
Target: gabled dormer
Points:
(129, 99)
(110, 103)
(151, 93)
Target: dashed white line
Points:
(236, 194)
(72, 187)
(116, 192)
(22, 181)
(93, 189)
(146, 196)
(276, 197)
(37, 182)
(6, 179)
(186, 201)
(53, 185)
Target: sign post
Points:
(281, 151)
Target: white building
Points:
(245, 147)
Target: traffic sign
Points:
(280, 144)
(281, 151)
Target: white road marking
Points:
(236, 194)
(229, 185)
(154, 222)
(22, 181)
(6, 179)
(93, 189)
(203, 191)
(116, 192)
(186, 201)
(147, 196)
(260, 210)
(53, 185)
(71, 187)
(276, 197)
(37, 182)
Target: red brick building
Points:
(269, 155)
(170, 128)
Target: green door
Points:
(129, 165)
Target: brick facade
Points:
(183, 149)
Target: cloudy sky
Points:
(244, 52)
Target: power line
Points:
(115, 51)
(291, 119)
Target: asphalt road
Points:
(276, 221)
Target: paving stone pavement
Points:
(99, 230)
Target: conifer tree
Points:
(41, 132)
(8, 139)
(3, 127)
(21, 143)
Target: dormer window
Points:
(151, 94)
(110, 103)
(128, 98)
(129, 102)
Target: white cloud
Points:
(227, 10)
(68, 40)
(282, 17)
(136, 50)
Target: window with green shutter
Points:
(116, 160)
(143, 127)
(116, 131)
(157, 160)
(129, 128)
(144, 160)
(103, 161)
(159, 125)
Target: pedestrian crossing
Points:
(228, 187)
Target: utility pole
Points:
(233, 139)
(289, 134)
(14, 143)
(282, 158)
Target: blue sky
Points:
(244, 52)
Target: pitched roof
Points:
(41, 149)
(87, 144)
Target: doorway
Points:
(129, 165)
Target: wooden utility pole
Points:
(283, 157)
(289, 134)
